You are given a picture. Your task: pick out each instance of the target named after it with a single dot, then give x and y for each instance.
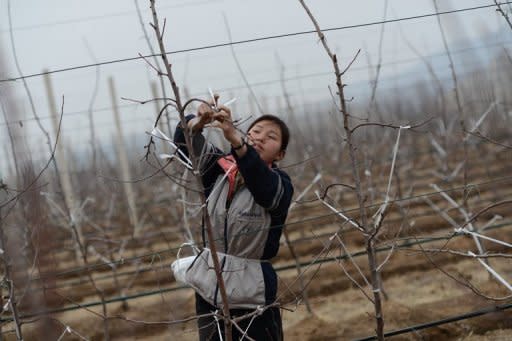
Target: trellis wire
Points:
(158, 253)
(278, 36)
(278, 269)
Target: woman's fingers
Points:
(221, 116)
(208, 112)
(205, 113)
(224, 108)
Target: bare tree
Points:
(180, 107)
(363, 226)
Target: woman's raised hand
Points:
(204, 116)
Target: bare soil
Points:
(421, 285)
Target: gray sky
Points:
(55, 34)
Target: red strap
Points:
(228, 164)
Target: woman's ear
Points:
(280, 155)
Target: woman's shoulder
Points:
(283, 175)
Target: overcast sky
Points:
(59, 34)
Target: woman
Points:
(248, 201)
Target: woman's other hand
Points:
(205, 113)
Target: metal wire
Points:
(175, 249)
(246, 41)
(488, 310)
(277, 269)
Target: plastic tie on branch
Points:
(460, 230)
(339, 213)
(492, 271)
(170, 157)
(218, 324)
(481, 119)
(380, 212)
(160, 135)
(438, 147)
(259, 309)
(215, 101)
(478, 235)
(317, 178)
(66, 330)
(233, 100)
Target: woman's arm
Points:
(195, 125)
(207, 152)
(271, 187)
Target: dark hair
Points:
(285, 132)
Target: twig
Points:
(351, 62)
(460, 253)
(148, 100)
(463, 212)
(478, 235)
(382, 209)
(373, 103)
(90, 109)
(142, 179)
(503, 13)
(188, 140)
(158, 72)
(14, 308)
(394, 126)
(25, 85)
(291, 248)
(462, 281)
(45, 167)
(441, 212)
(476, 215)
(357, 180)
(458, 101)
(334, 185)
(485, 138)
(349, 255)
(339, 213)
(492, 272)
(482, 118)
(154, 55)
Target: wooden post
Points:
(3, 198)
(63, 173)
(123, 163)
(7, 262)
(9, 169)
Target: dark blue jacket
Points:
(246, 227)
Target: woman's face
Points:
(265, 136)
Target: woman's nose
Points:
(258, 137)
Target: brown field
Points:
(415, 280)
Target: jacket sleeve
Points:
(207, 152)
(271, 187)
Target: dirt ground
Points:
(421, 284)
(414, 297)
